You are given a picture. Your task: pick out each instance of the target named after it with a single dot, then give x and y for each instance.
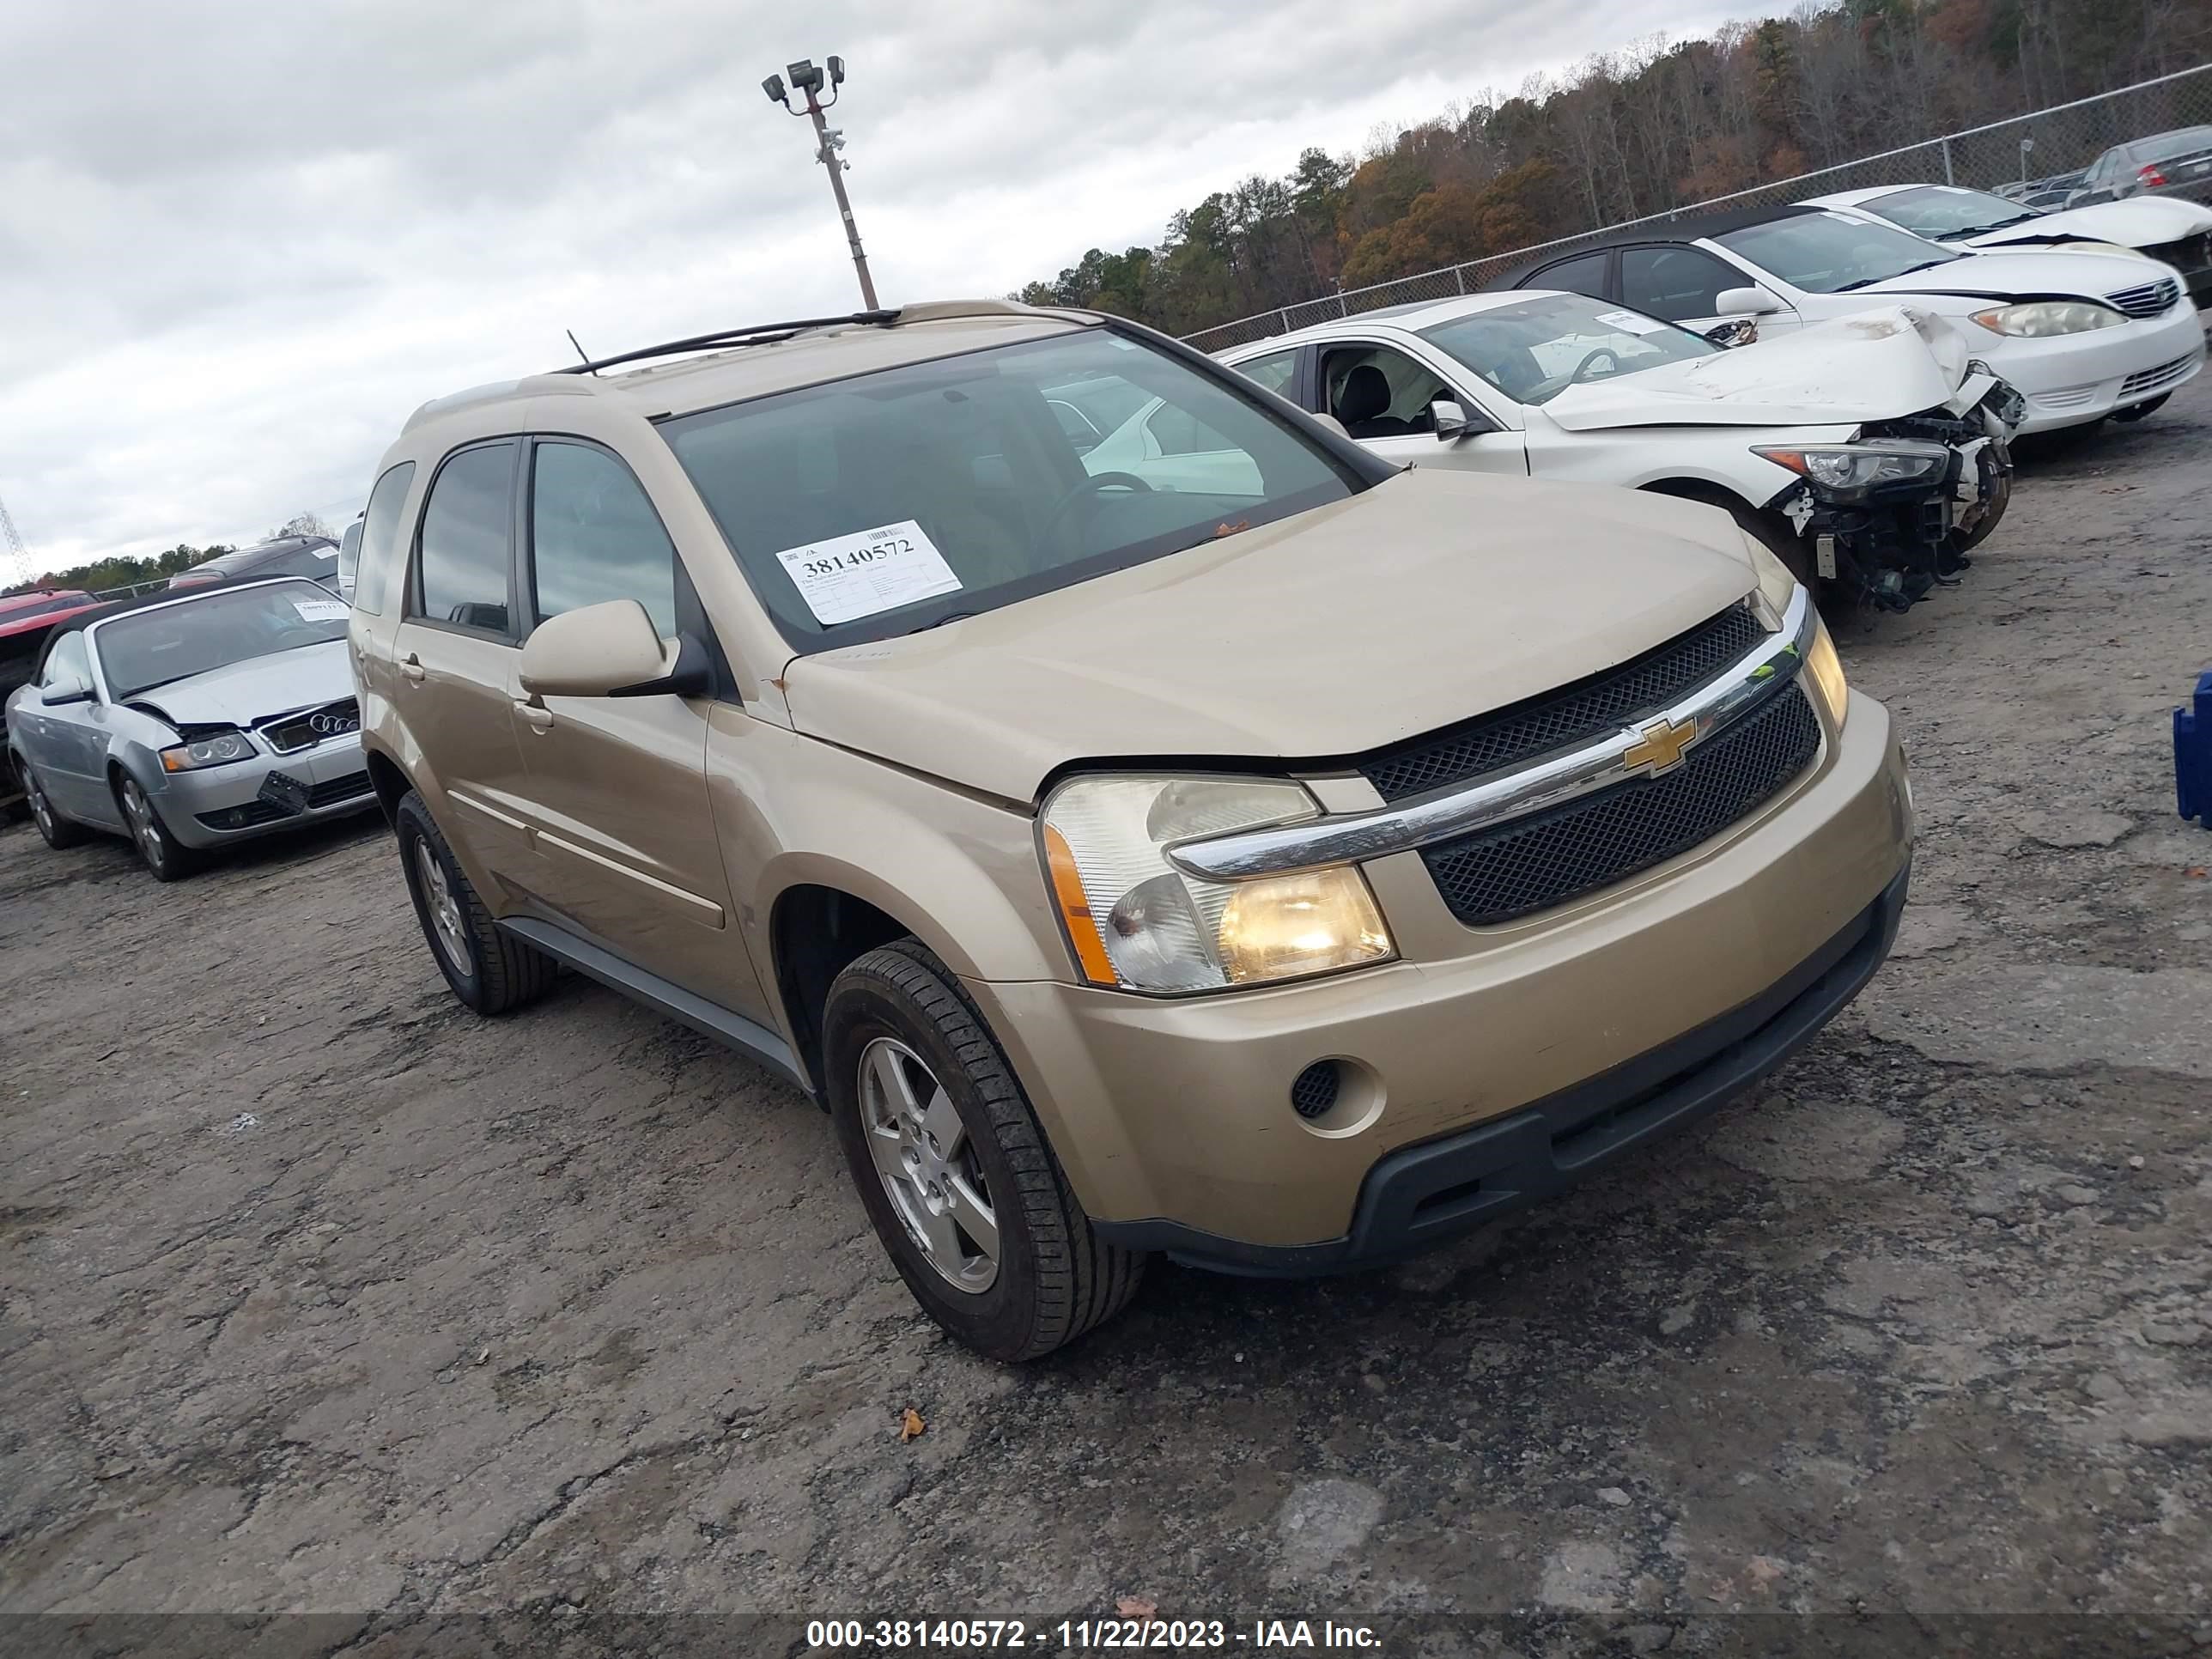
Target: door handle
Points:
(539, 716)
(411, 666)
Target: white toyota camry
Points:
(2162, 228)
(2081, 337)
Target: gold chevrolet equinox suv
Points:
(1142, 819)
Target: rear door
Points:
(454, 656)
(617, 797)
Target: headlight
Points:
(1848, 471)
(1776, 584)
(2036, 318)
(220, 750)
(1825, 669)
(1135, 921)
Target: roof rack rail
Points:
(760, 334)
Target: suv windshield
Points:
(1534, 350)
(1943, 212)
(914, 495)
(1827, 253)
(142, 649)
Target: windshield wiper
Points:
(949, 617)
(1869, 282)
(1984, 230)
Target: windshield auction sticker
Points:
(321, 609)
(848, 577)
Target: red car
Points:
(25, 619)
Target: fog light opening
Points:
(1336, 1096)
(1315, 1089)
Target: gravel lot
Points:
(318, 1295)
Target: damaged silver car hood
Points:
(1876, 365)
(244, 693)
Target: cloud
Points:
(240, 241)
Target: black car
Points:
(315, 557)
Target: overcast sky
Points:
(238, 242)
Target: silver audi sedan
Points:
(183, 721)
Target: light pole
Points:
(805, 78)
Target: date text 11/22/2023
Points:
(1260, 1636)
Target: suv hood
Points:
(242, 693)
(2024, 273)
(1875, 366)
(1431, 597)
(2144, 223)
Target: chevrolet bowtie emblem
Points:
(1661, 746)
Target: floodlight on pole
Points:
(808, 80)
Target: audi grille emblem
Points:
(328, 725)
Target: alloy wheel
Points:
(928, 1165)
(40, 810)
(145, 828)
(445, 908)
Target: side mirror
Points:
(1334, 425)
(69, 687)
(1450, 417)
(608, 650)
(1753, 301)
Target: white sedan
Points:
(2161, 228)
(2081, 338)
(1869, 451)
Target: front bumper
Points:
(2073, 378)
(1172, 1118)
(1421, 1196)
(223, 804)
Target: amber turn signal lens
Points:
(1075, 909)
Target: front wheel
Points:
(490, 969)
(952, 1168)
(166, 858)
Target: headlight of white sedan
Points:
(218, 749)
(2036, 318)
(1136, 921)
(1845, 472)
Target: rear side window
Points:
(379, 537)
(462, 560)
(594, 536)
(1583, 275)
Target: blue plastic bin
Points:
(2192, 754)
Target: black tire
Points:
(500, 972)
(166, 858)
(59, 833)
(1054, 1277)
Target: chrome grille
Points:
(2148, 299)
(1533, 863)
(290, 733)
(1603, 703)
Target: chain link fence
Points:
(2048, 147)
